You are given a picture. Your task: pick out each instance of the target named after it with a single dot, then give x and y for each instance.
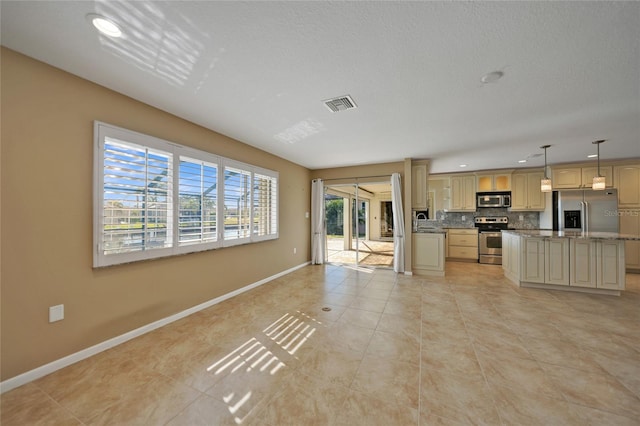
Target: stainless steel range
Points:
(490, 238)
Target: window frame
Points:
(176, 153)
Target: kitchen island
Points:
(590, 262)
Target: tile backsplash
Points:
(530, 220)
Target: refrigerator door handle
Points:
(586, 216)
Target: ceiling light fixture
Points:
(104, 25)
(492, 77)
(592, 155)
(545, 182)
(599, 182)
(463, 165)
(522, 161)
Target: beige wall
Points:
(46, 241)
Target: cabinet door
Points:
(628, 182)
(514, 256)
(506, 253)
(589, 172)
(567, 178)
(470, 193)
(457, 196)
(428, 252)
(583, 263)
(611, 265)
(419, 186)
(556, 261)
(533, 260)
(630, 224)
(519, 192)
(502, 182)
(535, 197)
(485, 183)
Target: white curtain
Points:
(398, 223)
(317, 222)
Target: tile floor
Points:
(468, 348)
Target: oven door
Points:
(490, 246)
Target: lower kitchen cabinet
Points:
(597, 264)
(545, 261)
(532, 260)
(511, 256)
(462, 244)
(581, 264)
(428, 254)
(556, 261)
(630, 224)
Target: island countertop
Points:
(545, 233)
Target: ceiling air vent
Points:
(341, 103)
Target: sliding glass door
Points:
(354, 224)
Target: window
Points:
(237, 201)
(198, 201)
(154, 198)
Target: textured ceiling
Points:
(259, 71)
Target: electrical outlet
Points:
(295, 250)
(306, 215)
(521, 217)
(464, 218)
(56, 313)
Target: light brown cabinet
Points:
(463, 193)
(566, 178)
(579, 177)
(494, 182)
(597, 264)
(419, 197)
(628, 183)
(588, 173)
(630, 224)
(525, 192)
(428, 254)
(462, 244)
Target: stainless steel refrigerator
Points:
(587, 211)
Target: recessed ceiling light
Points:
(592, 155)
(522, 161)
(492, 77)
(463, 165)
(104, 25)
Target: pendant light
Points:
(545, 182)
(599, 182)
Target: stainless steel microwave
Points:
(493, 199)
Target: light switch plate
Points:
(56, 313)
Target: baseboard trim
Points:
(58, 364)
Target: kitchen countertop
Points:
(573, 234)
(430, 231)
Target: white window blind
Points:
(265, 205)
(198, 201)
(137, 198)
(155, 198)
(237, 201)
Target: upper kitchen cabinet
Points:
(419, 196)
(628, 182)
(566, 178)
(439, 194)
(463, 193)
(525, 192)
(494, 182)
(588, 173)
(579, 177)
